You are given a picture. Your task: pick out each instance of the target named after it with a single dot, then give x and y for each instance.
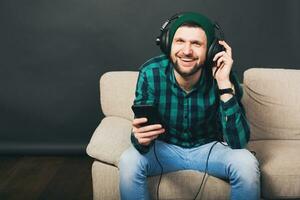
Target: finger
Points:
(220, 61)
(154, 137)
(219, 69)
(150, 133)
(139, 121)
(225, 44)
(149, 128)
(227, 47)
(214, 69)
(222, 65)
(215, 72)
(134, 129)
(224, 59)
(218, 55)
(145, 141)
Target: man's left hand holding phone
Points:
(147, 125)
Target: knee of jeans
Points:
(246, 167)
(132, 162)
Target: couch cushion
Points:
(181, 185)
(105, 181)
(280, 167)
(271, 99)
(184, 184)
(110, 139)
(117, 93)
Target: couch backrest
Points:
(117, 93)
(271, 99)
(272, 102)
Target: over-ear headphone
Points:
(163, 39)
(165, 45)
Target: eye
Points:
(179, 41)
(196, 44)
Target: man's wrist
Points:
(224, 84)
(226, 90)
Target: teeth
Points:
(187, 59)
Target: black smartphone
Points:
(148, 111)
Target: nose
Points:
(187, 49)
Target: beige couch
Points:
(272, 102)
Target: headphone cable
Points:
(205, 171)
(161, 172)
(206, 168)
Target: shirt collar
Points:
(200, 85)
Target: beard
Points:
(184, 74)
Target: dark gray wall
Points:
(52, 54)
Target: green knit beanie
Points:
(206, 24)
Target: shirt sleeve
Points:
(235, 127)
(144, 94)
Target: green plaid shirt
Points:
(190, 119)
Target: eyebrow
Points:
(192, 41)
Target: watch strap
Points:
(225, 91)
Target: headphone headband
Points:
(170, 26)
(164, 26)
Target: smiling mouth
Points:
(187, 59)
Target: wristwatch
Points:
(226, 91)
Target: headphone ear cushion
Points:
(164, 45)
(213, 49)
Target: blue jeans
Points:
(238, 166)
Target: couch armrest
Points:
(110, 139)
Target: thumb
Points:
(214, 71)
